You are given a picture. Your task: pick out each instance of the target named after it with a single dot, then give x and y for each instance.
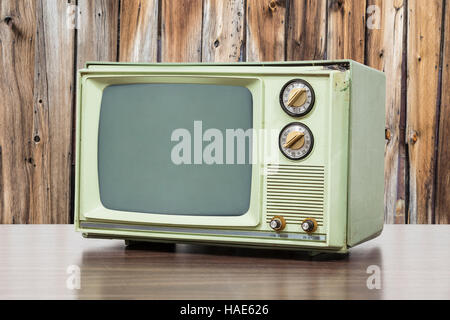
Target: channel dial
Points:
(296, 141)
(297, 98)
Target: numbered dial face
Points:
(297, 98)
(296, 141)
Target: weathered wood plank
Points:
(442, 211)
(138, 31)
(385, 52)
(97, 31)
(53, 112)
(223, 30)
(40, 145)
(181, 31)
(346, 29)
(266, 30)
(307, 33)
(17, 42)
(424, 34)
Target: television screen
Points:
(155, 139)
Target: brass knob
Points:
(295, 140)
(309, 225)
(278, 223)
(297, 98)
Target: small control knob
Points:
(309, 225)
(297, 97)
(278, 223)
(295, 140)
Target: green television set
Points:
(274, 155)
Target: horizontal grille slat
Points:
(294, 205)
(292, 179)
(292, 167)
(295, 211)
(297, 198)
(313, 174)
(295, 192)
(298, 216)
(296, 186)
(282, 191)
(295, 172)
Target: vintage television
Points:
(275, 155)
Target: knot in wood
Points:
(387, 134)
(273, 5)
(8, 20)
(414, 137)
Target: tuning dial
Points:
(278, 223)
(297, 98)
(309, 225)
(296, 141)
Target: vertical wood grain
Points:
(97, 32)
(17, 41)
(442, 211)
(307, 32)
(266, 30)
(37, 59)
(384, 51)
(424, 34)
(53, 112)
(346, 29)
(181, 31)
(138, 31)
(40, 190)
(223, 30)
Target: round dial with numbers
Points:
(296, 141)
(297, 98)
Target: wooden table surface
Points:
(414, 262)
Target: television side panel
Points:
(366, 154)
(76, 206)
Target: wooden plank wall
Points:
(43, 42)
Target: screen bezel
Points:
(90, 206)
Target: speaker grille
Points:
(295, 192)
